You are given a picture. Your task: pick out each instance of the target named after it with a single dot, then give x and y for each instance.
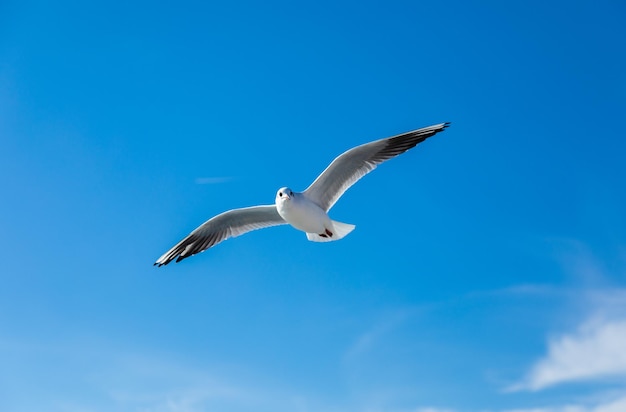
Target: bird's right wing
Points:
(219, 228)
(352, 165)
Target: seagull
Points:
(306, 211)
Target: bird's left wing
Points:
(219, 228)
(352, 165)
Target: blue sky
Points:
(487, 271)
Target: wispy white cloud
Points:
(595, 350)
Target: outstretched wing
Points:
(352, 165)
(228, 224)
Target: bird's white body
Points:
(301, 213)
(304, 214)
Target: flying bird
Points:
(306, 211)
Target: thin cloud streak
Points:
(213, 180)
(364, 342)
(433, 409)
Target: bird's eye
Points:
(280, 194)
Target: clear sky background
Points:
(487, 271)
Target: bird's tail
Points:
(339, 231)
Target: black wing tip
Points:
(164, 261)
(430, 131)
(424, 132)
(178, 258)
(437, 127)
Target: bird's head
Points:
(284, 194)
